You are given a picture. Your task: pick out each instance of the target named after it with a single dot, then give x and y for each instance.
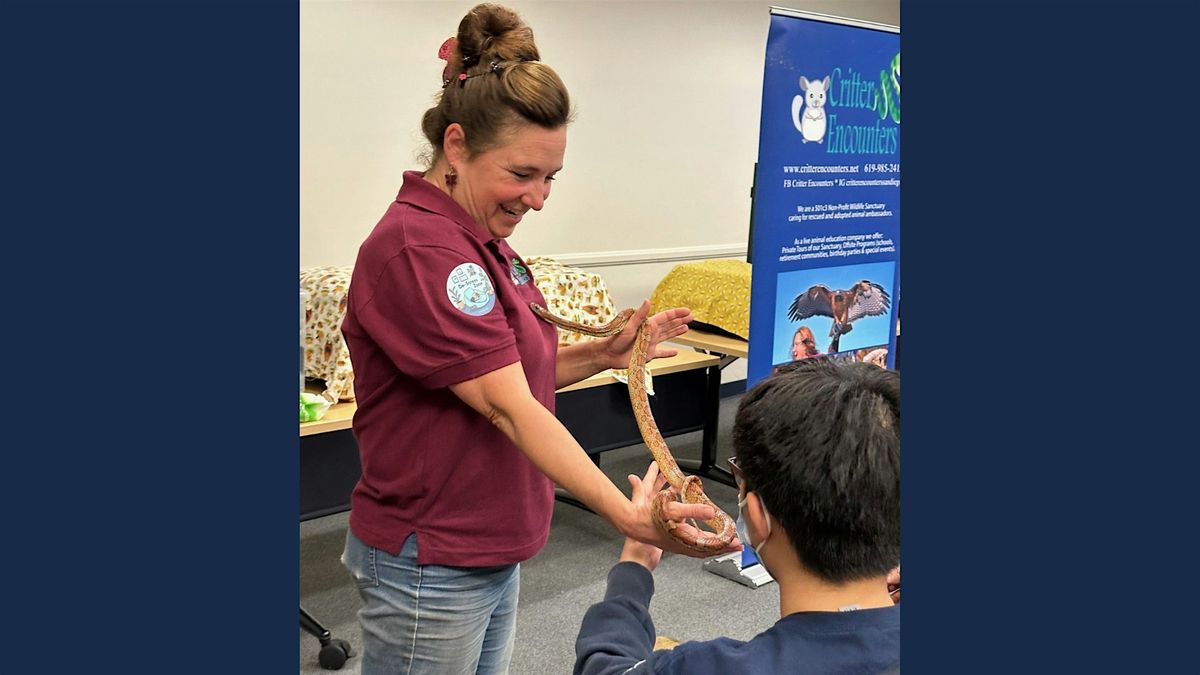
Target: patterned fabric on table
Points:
(573, 294)
(717, 292)
(325, 354)
(580, 296)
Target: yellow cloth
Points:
(717, 292)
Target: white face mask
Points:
(744, 534)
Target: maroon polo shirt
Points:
(435, 300)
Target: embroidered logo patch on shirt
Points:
(520, 275)
(470, 289)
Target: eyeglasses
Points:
(738, 476)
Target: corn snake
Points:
(680, 487)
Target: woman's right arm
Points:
(503, 396)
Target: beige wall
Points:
(659, 162)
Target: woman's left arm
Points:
(577, 362)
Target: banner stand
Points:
(730, 567)
(825, 211)
(826, 208)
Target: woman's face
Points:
(803, 345)
(499, 186)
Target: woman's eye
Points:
(520, 175)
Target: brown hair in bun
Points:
(495, 83)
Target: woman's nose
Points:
(536, 196)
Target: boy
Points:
(817, 462)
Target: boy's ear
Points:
(756, 518)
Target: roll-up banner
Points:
(826, 217)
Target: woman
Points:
(455, 375)
(804, 345)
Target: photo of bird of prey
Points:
(865, 298)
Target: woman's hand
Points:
(893, 584)
(663, 326)
(646, 555)
(642, 528)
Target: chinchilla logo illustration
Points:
(812, 124)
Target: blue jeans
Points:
(420, 619)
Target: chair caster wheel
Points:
(333, 655)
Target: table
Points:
(596, 411)
(726, 347)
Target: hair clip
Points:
(496, 68)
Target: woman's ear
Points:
(454, 144)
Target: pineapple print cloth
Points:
(573, 294)
(580, 296)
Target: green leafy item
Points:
(312, 407)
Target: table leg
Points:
(707, 466)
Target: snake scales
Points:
(689, 488)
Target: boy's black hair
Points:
(819, 442)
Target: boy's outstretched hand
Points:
(643, 554)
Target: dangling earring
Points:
(451, 179)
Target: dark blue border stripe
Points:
(1049, 503)
(149, 482)
(1050, 509)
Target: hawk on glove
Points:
(865, 298)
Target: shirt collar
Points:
(427, 196)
